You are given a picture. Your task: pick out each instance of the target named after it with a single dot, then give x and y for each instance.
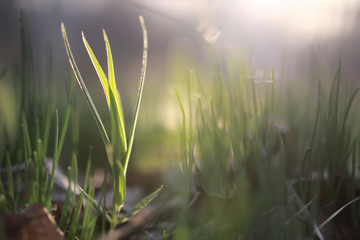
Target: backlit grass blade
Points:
(120, 126)
(140, 90)
(143, 203)
(112, 97)
(118, 139)
(103, 80)
(84, 88)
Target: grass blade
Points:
(338, 211)
(95, 205)
(143, 203)
(103, 80)
(140, 90)
(84, 88)
(115, 103)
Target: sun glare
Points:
(305, 18)
(299, 17)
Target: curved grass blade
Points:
(140, 90)
(84, 88)
(143, 203)
(120, 126)
(338, 211)
(112, 97)
(103, 80)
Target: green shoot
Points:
(118, 149)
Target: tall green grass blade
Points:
(59, 144)
(112, 84)
(103, 80)
(46, 134)
(26, 134)
(140, 91)
(113, 99)
(66, 122)
(56, 150)
(143, 203)
(84, 88)
(118, 146)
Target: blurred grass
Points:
(255, 133)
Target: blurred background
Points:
(282, 35)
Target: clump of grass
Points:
(118, 148)
(244, 157)
(34, 111)
(35, 183)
